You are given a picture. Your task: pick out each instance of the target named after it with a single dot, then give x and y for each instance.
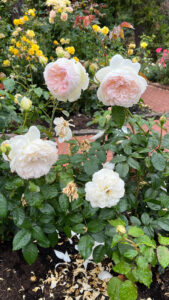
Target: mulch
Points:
(51, 278)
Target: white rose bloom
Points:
(65, 78)
(31, 157)
(120, 83)
(62, 129)
(105, 189)
(25, 104)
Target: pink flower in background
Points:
(158, 50)
(52, 14)
(65, 78)
(165, 50)
(120, 83)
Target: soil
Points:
(51, 278)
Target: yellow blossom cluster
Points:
(26, 47)
(25, 18)
(131, 46)
(104, 30)
(64, 52)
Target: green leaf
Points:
(98, 253)
(122, 268)
(53, 238)
(118, 158)
(145, 240)
(91, 166)
(128, 291)
(145, 219)
(130, 254)
(9, 84)
(51, 176)
(63, 202)
(34, 199)
(30, 253)
(113, 288)
(95, 226)
(18, 216)
(142, 262)
(47, 209)
(163, 223)
(158, 161)
(122, 169)
(133, 163)
(143, 275)
(79, 228)
(3, 206)
(39, 235)
(135, 221)
(116, 238)
(38, 91)
(163, 240)
(163, 256)
(85, 246)
(21, 239)
(135, 231)
(49, 191)
(118, 115)
(117, 222)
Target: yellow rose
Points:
(25, 18)
(105, 30)
(18, 44)
(31, 51)
(16, 22)
(6, 63)
(130, 51)
(96, 28)
(134, 60)
(39, 53)
(132, 46)
(143, 45)
(30, 33)
(75, 58)
(55, 42)
(15, 51)
(70, 50)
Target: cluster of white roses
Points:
(31, 157)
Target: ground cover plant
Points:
(119, 206)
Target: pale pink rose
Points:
(52, 14)
(65, 78)
(120, 83)
(69, 9)
(64, 16)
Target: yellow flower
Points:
(31, 51)
(18, 44)
(11, 49)
(16, 22)
(59, 10)
(2, 35)
(132, 46)
(6, 63)
(15, 51)
(143, 44)
(30, 33)
(39, 53)
(35, 47)
(105, 30)
(55, 42)
(24, 39)
(25, 18)
(28, 58)
(134, 60)
(130, 51)
(13, 41)
(31, 12)
(70, 50)
(21, 21)
(43, 60)
(96, 28)
(67, 41)
(75, 58)
(62, 40)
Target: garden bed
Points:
(50, 278)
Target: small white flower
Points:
(25, 104)
(105, 189)
(62, 129)
(31, 157)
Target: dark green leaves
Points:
(85, 246)
(118, 115)
(158, 161)
(3, 206)
(21, 239)
(118, 290)
(30, 253)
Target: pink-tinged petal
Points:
(99, 76)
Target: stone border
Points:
(158, 85)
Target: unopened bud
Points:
(121, 229)
(93, 68)
(5, 148)
(25, 104)
(163, 120)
